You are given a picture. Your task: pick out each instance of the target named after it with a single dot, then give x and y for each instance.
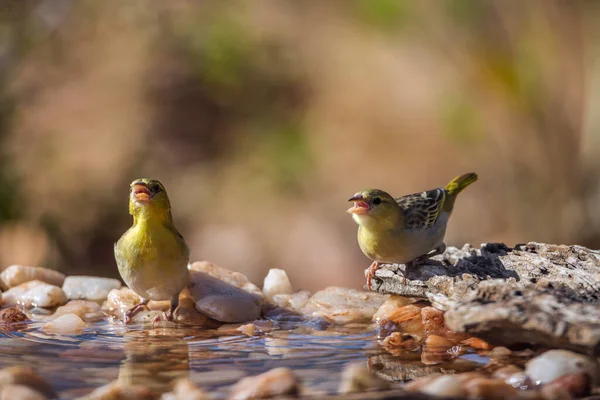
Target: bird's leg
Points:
(370, 272)
(168, 316)
(134, 310)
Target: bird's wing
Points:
(421, 210)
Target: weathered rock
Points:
(409, 368)
(118, 391)
(223, 301)
(236, 279)
(343, 306)
(88, 311)
(554, 364)
(445, 280)
(25, 376)
(89, 287)
(294, 301)
(184, 389)
(9, 392)
(119, 301)
(358, 378)
(276, 382)
(18, 274)
(502, 315)
(12, 319)
(65, 324)
(390, 306)
(34, 294)
(277, 282)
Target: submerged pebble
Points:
(277, 282)
(343, 306)
(119, 301)
(18, 274)
(357, 377)
(89, 287)
(12, 319)
(25, 376)
(34, 294)
(184, 389)
(88, 311)
(276, 382)
(67, 323)
(555, 363)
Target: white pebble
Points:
(34, 294)
(89, 287)
(18, 274)
(277, 282)
(556, 363)
(68, 323)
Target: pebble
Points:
(277, 282)
(357, 377)
(89, 287)
(88, 311)
(184, 389)
(18, 274)
(25, 376)
(555, 363)
(34, 294)
(342, 305)
(118, 391)
(119, 301)
(276, 382)
(406, 319)
(223, 301)
(20, 392)
(236, 279)
(293, 301)
(12, 319)
(573, 385)
(67, 323)
(389, 306)
(445, 386)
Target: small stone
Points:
(435, 350)
(10, 392)
(445, 386)
(406, 319)
(247, 329)
(555, 363)
(476, 343)
(88, 311)
(277, 282)
(223, 301)
(389, 306)
(65, 324)
(276, 382)
(488, 388)
(34, 294)
(119, 301)
(184, 389)
(89, 287)
(12, 319)
(343, 306)
(499, 352)
(573, 385)
(25, 376)
(357, 377)
(18, 274)
(117, 391)
(398, 344)
(236, 279)
(293, 301)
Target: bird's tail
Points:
(460, 182)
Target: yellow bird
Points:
(407, 230)
(152, 256)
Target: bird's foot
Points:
(132, 312)
(166, 316)
(370, 273)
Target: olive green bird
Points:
(152, 256)
(407, 230)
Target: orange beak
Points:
(141, 193)
(360, 206)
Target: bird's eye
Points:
(376, 201)
(156, 188)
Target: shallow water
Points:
(153, 357)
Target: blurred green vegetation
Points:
(261, 118)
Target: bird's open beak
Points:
(360, 206)
(141, 193)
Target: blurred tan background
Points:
(262, 117)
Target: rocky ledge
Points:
(534, 293)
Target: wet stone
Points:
(89, 287)
(65, 324)
(12, 319)
(34, 294)
(117, 391)
(18, 274)
(184, 389)
(25, 376)
(20, 392)
(233, 278)
(555, 363)
(119, 301)
(277, 282)
(88, 311)
(276, 382)
(294, 301)
(342, 306)
(357, 378)
(223, 301)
